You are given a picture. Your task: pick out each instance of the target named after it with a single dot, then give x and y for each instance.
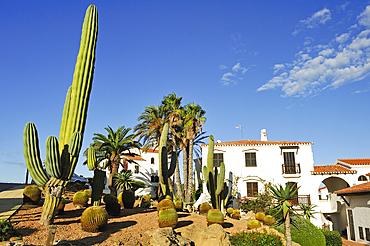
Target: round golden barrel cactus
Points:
(260, 216)
(269, 220)
(31, 195)
(94, 219)
(88, 192)
(80, 199)
(215, 216)
(167, 217)
(165, 203)
(252, 224)
(204, 208)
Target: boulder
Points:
(167, 237)
(249, 216)
(214, 235)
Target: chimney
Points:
(263, 135)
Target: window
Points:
(367, 232)
(252, 188)
(294, 199)
(250, 160)
(361, 232)
(136, 169)
(152, 160)
(154, 178)
(289, 166)
(289, 158)
(217, 159)
(362, 178)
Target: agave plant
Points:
(308, 210)
(125, 181)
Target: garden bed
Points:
(129, 227)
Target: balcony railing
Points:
(305, 199)
(291, 168)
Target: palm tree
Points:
(150, 128)
(111, 148)
(193, 121)
(171, 107)
(283, 196)
(124, 181)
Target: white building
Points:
(357, 199)
(146, 170)
(281, 162)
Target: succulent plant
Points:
(167, 217)
(88, 192)
(253, 224)
(215, 216)
(61, 206)
(165, 203)
(80, 199)
(31, 195)
(260, 216)
(111, 205)
(216, 186)
(110, 199)
(94, 219)
(230, 210)
(178, 205)
(61, 157)
(119, 197)
(269, 220)
(146, 198)
(204, 208)
(128, 198)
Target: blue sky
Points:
(299, 69)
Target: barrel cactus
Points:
(253, 224)
(165, 203)
(178, 205)
(269, 220)
(260, 216)
(167, 217)
(111, 205)
(236, 214)
(229, 211)
(215, 216)
(88, 192)
(80, 199)
(204, 208)
(94, 219)
(31, 195)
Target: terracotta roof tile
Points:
(256, 142)
(365, 161)
(365, 187)
(368, 174)
(137, 158)
(331, 169)
(151, 150)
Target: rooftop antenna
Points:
(241, 130)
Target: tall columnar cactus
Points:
(98, 179)
(216, 186)
(164, 172)
(61, 158)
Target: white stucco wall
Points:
(360, 206)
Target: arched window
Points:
(152, 160)
(362, 178)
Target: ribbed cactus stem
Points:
(220, 179)
(53, 163)
(91, 158)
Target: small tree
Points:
(125, 181)
(283, 206)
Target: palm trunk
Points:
(189, 189)
(287, 231)
(180, 191)
(113, 172)
(185, 166)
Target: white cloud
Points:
(222, 67)
(364, 17)
(320, 17)
(238, 68)
(308, 40)
(226, 80)
(344, 60)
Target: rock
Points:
(145, 204)
(214, 235)
(167, 237)
(249, 216)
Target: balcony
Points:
(291, 168)
(304, 199)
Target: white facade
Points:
(146, 169)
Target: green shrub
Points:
(332, 238)
(7, 231)
(306, 234)
(255, 238)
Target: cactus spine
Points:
(61, 165)
(216, 186)
(164, 172)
